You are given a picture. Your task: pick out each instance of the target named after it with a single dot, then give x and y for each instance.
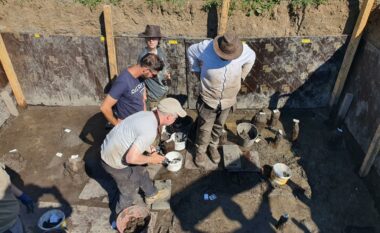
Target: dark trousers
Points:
(210, 126)
(129, 180)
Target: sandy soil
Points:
(130, 17)
(324, 194)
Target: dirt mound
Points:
(69, 17)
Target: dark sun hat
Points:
(228, 46)
(151, 31)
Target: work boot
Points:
(161, 195)
(200, 160)
(214, 154)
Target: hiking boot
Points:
(214, 154)
(161, 195)
(200, 160)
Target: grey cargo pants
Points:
(209, 126)
(128, 181)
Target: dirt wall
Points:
(68, 17)
(293, 72)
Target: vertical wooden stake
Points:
(351, 49)
(224, 17)
(11, 74)
(110, 41)
(346, 103)
(370, 157)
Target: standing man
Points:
(122, 152)
(9, 206)
(127, 95)
(220, 64)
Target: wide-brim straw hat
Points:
(228, 46)
(151, 31)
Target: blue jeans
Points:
(129, 180)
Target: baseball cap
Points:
(171, 105)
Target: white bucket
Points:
(50, 216)
(176, 159)
(179, 139)
(281, 173)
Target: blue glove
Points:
(27, 201)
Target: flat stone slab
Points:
(92, 190)
(160, 185)
(231, 157)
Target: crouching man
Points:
(122, 152)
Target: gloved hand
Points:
(27, 201)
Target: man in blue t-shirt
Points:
(127, 95)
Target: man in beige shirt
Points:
(220, 64)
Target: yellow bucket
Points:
(281, 173)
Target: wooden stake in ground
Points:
(343, 109)
(372, 152)
(11, 74)
(224, 17)
(351, 49)
(111, 50)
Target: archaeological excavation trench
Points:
(302, 145)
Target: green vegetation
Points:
(158, 3)
(209, 4)
(259, 7)
(251, 7)
(305, 3)
(94, 3)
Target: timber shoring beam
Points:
(110, 41)
(372, 152)
(224, 17)
(350, 52)
(11, 74)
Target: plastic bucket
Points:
(179, 139)
(248, 133)
(175, 161)
(281, 173)
(52, 221)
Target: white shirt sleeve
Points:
(194, 53)
(248, 58)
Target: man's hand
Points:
(156, 158)
(27, 201)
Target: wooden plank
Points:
(111, 50)
(351, 49)
(372, 152)
(343, 108)
(224, 17)
(11, 74)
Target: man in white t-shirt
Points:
(122, 152)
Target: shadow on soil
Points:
(93, 133)
(36, 192)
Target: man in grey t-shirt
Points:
(122, 152)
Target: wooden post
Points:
(343, 109)
(224, 17)
(111, 50)
(351, 49)
(11, 74)
(370, 157)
